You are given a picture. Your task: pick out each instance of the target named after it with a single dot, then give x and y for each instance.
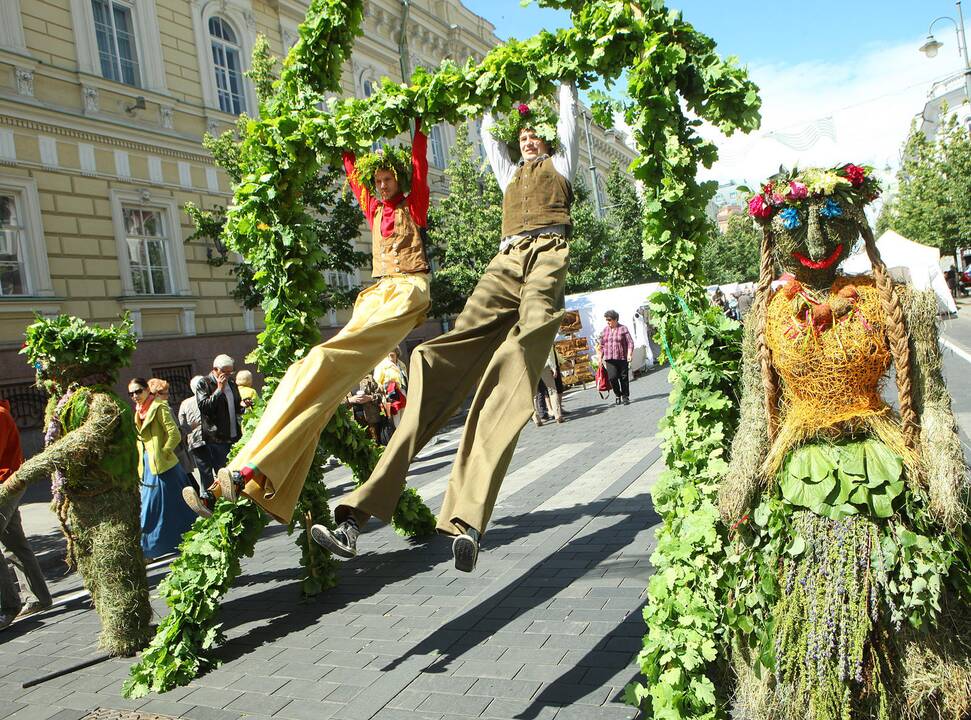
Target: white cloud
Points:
(872, 98)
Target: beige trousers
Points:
(499, 345)
(286, 438)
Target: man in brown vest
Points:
(272, 467)
(499, 344)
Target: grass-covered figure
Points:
(852, 558)
(91, 459)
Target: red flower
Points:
(758, 208)
(523, 109)
(855, 174)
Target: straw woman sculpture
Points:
(852, 561)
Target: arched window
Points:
(227, 66)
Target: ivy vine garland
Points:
(538, 114)
(669, 66)
(387, 157)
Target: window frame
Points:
(227, 47)
(12, 28)
(148, 43)
(37, 274)
(178, 272)
(238, 15)
(115, 56)
(439, 159)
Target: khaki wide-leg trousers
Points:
(500, 342)
(286, 437)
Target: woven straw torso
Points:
(833, 375)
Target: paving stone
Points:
(607, 712)
(258, 684)
(257, 703)
(486, 669)
(439, 683)
(505, 709)
(305, 689)
(300, 709)
(470, 704)
(492, 687)
(211, 697)
(408, 699)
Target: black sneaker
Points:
(341, 542)
(465, 550)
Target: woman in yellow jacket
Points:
(165, 517)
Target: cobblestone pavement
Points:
(548, 625)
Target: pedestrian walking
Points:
(499, 343)
(391, 187)
(160, 389)
(190, 423)
(12, 538)
(220, 411)
(165, 517)
(549, 393)
(392, 376)
(615, 346)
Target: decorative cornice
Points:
(159, 149)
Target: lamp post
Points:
(932, 45)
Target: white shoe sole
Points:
(192, 499)
(227, 488)
(322, 535)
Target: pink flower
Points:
(776, 199)
(758, 208)
(797, 190)
(855, 174)
(523, 109)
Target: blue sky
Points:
(852, 65)
(828, 30)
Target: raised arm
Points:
(940, 445)
(738, 489)
(83, 446)
(364, 199)
(498, 154)
(419, 194)
(565, 160)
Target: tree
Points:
(933, 203)
(625, 216)
(463, 228)
(732, 256)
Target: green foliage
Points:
(68, 347)
(732, 256)
(464, 228)
(207, 566)
(686, 594)
(933, 201)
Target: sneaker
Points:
(465, 550)
(195, 502)
(33, 607)
(626, 400)
(341, 542)
(230, 483)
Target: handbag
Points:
(603, 381)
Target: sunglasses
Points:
(135, 393)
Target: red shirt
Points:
(11, 456)
(616, 343)
(417, 199)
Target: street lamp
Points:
(932, 45)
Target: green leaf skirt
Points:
(849, 477)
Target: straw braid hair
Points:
(770, 380)
(899, 342)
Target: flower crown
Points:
(539, 116)
(843, 187)
(387, 157)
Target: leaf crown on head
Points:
(388, 157)
(539, 115)
(68, 345)
(843, 187)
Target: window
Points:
(116, 41)
(148, 259)
(340, 281)
(437, 143)
(12, 237)
(227, 66)
(477, 138)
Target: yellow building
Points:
(103, 104)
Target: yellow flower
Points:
(822, 181)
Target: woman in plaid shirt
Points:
(616, 347)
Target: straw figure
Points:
(91, 459)
(851, 569)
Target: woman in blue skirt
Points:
(165, 516)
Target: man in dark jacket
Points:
(220, 408)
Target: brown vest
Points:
(538, 196)
(403, 251)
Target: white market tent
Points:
(907, 261)
(628, 302)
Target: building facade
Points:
(103, 105)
